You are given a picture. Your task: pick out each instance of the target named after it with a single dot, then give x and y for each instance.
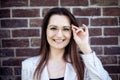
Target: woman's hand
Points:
(81, 37)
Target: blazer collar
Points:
(69, 73)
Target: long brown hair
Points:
(71, 50)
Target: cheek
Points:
(49, 34)
(69, 36)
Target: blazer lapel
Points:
(70, 72)
(44, 75)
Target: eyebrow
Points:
(52, 26)
(56, 26)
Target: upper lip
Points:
(59, 39)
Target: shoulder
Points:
(31, 60)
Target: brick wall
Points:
(20, 31)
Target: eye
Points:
(53, 28)
(67, 29)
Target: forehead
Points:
(61, 20)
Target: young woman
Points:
(59, 58)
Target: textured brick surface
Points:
(108, 59)
(95, 31)
(20, 33)
(112, 50)
(35, 42)
(4, 13)
(25, 33)
(15, 43)
(44, 11)
(111, 11)
(27, 52)
(12, 62)
(113, 69)
(114, 77)
(86, 12)
(82, 21)
(44, 2)
(104, 41)
(6, 71)
(6, 53)
(98, 50)
(26, 13)
(112, 31)
(17, 70)
(7, 78)
(4, 33)
(74, 2)
(14, 23)
(104, 22)
(119, 21)
(14, 3)
(104, 2)
(35, 22)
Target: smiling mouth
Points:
(59, 40)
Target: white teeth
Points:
(59, 41)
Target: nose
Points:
(59, 33)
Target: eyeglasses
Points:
(55, 29)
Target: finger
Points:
(73, 26)
(79, 30)
(85, 27)
(74, 31)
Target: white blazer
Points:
(93, 69)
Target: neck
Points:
(56, 54)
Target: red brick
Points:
(25, 33)
(15, 43)
(6, 52)
(44, 11)
(119, 21)
(119, 59)
(27, 52)
(12, 62)
(108, 59)
(7, 77)
(35, 42)
(17, 71)
(112, 31)
(74, 2)
(13, 23)
(0, 62)
(113, 69)
(111, 11)
(35, 22)
(112, 50)
(98, 50)
(0, 43)
(86, 12)
(5, 13)
(18, 78)
(95, 31)
(26, 13)
(114, 76)
(104, 22)
(104, 2)
(4, 33)
(44, 2)
(82, 21)
(13, 3)
(104, 41)
(6, 71)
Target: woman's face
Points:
(58, 31)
